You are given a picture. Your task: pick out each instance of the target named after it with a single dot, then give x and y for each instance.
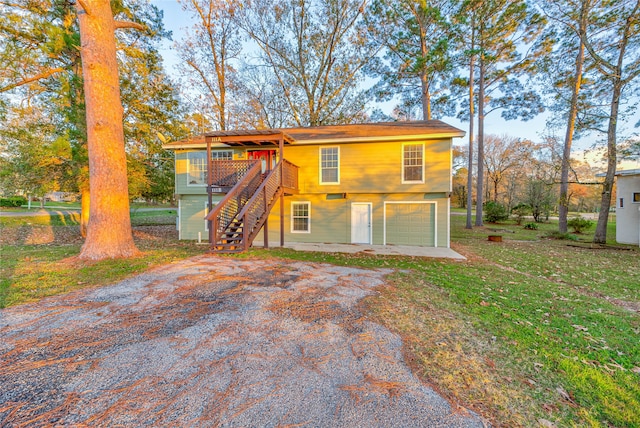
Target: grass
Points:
(526, 332)
(31, 272)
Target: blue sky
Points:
(176, 20)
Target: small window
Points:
(636, 197)
(197, 165)
(300, 217)
(222, 155)
(196, 168)
(413, 163)
(329, 165)
(621, 202)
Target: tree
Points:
(109, 234)
(615, 49)
(416, 37)
(503, 154)
(573, 18)
(316, 50)
(207, 53)
(502, 29)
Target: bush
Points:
(579, 224)
(13, 201)
(565, 236)
(494, 212)
(519, 212)
(531, 226)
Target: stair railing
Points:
(227, 209)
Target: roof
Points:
(622, 172)
(333, 134)
(628, 172)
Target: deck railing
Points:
(227, 173)
(289, 175)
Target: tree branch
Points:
(84, 6)
(129, 24)
(42, 75)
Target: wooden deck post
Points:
(212, 233)
(281, 147)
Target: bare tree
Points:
(316, 50)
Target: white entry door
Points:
(361, 223)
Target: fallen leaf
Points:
(579, 327)
(564, 394)
(546, 423)
(636, 370)
(483, 303)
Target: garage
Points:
(410, 223)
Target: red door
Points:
(267, 157)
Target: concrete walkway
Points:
(386, 250)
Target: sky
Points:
(176, 20)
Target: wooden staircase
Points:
(241, 214)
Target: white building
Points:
(628, 207)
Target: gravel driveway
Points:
(214, 342)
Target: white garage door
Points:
(411, 223)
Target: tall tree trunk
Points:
(109, 230)
(480, 179)
(472, 60)
(563, 208)
(607, 187)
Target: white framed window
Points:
(329, 165)
(413, 163)
(197, 165)
(301, 217)
(196, 168)
(636, 197)
(222, 154)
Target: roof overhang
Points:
(334, 134)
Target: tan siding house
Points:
(383, 183)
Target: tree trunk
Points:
(480, 179)
(603, 216)
(84, 211)
(109, 229)
(563, 208)
(471, 136)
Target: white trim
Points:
(448, 222)
(402, 164)
(370, 205)
(309, 216)
(323, 183)
(179, 219)
(450, 169)
(435, 219)
(206, 213)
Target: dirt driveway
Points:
(214, 342)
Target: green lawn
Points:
(525, 332)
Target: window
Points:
(300, 217)
(412, 163)
(197, 165)
(621, 202)
(196, 168)
(636, 197)
(222, 155)
(329, 165)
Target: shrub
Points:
(579, 224)
(531, 226)
(565, 236)
(12, 201)
(494, 212)
(519, 212)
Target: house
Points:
(628, 207)
(379, 183)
